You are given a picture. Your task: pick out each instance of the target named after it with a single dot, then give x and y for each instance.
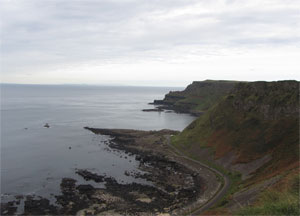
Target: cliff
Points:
(252, 131)
(197, 97)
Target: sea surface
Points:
(34, 159)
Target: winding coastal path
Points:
(221, 192)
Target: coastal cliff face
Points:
(197, 97)
(271, 100)
(252, 130)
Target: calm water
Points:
(34, 158)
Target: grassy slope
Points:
(255, 119)
(281, 199)
(199, 96)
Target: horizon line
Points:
(133, 85)
(87, 84)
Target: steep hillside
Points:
(197, 97)
(253, 130)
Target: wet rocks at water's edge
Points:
(8, 208)
(172, 186)
(153, 110)
(90, 176)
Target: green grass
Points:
(235, 179)
(275, 203)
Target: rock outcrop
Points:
(197, 97)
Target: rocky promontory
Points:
(196, 98)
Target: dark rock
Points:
(87, 175)
(85, 188)
(153, 110)
(67, 185)
(39, 206)
(8, 208)
(18, 197)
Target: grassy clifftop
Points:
(197, 97)
(253, 129)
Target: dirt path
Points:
(219, 194)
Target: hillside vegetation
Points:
(280, 199)
(197, 97)
(252, 130)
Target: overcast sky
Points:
(148, 42)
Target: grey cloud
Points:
(50, 32)
(277, 41)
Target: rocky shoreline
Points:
(161, 106)
(170, 184)
(152, 147)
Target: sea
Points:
(35, 158)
